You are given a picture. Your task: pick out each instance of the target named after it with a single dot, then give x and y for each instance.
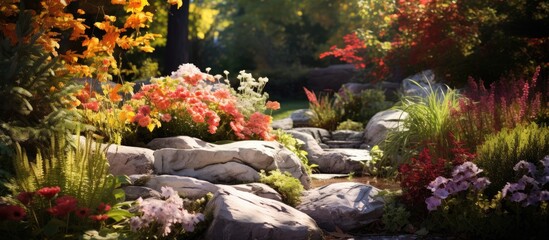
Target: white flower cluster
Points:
(251, 97)
(165, 213)
(186, 69)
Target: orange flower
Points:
(273, 105)
(113, 93)
(119, 2)
(311, 96)
(136, 5)
(178, 2)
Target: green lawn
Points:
(287, 107)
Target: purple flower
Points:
(545, 161)
(525, 165)
(433, 203)
(518, 197)
(512, 187)
(544, 195)
(481, 183)
(441, 193)
(525, 180)
(437, 183)
(465, 171)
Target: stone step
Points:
(343, 144)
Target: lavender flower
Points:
(433, 203)
(481, 183)
(525, 165)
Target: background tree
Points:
(177, 44)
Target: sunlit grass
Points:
(287, 107)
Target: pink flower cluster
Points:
(167, 213)
(187, 93)
(464, 176)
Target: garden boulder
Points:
(301, 117)
(284, 124)
(241, 215)
(125, 160)
(258, 189)
(179, 142)
(380, 124)
(331, 160)
(230, 163)
(348, 206)
(186, 186)
(422, 84)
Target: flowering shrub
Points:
(50, 214)
(421, 170)
(325, 114)
(532, 187)
(463, 178)
(189, 102)
(164, 217)
(506, 104)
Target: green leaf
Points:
(52, 227)
(119, 194)
(119, 214)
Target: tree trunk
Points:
(177, 44)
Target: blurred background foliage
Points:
(282, 39)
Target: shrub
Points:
(506, 104)
(395, 216)
(501, 151)
(325, 114)
(289, 187)
(429, 124)
(350, 125)
(363, 106)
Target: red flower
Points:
(12, 213)
(48, 192)
(25, 197)
(104, 207)
(99, 217)
(64, 205)
(82, 212)
(94, 106)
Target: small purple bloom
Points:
(437, 183)
(462, 186)
(481, 183)
(525, 165)
(441, 193)
(525, 180)
(545, 161)
(518, 197)
(544, 195)
(433, 203)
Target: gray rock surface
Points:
(284, 124)
(348, 206)
(230, 163)
(240, 215)
(301, 117)
(319, 134)
(135, 192)
(330, 78)
(422, 84)
(124, 160)
(179, 142)
(380, 124)
(332, 160)
(258, 189)
(186, 186)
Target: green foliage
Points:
(395, 216)
(501, 151)
(428, 124)
(79, 168)
(361, 107)
(350, 125)
(294, 145)
(289, 187)
(325, 114)
(376, 167)
(34, 90)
